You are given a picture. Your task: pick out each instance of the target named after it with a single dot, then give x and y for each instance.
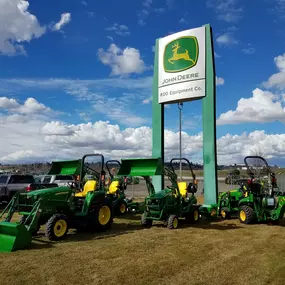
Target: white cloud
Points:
(37, 140)
(227, 10)
(110, 38)
(277, 80)
(122, 62)
(121, 30)
(83, 3)
(220, 81)
(233, 148)
(17, 25)
(262, 107)
(65, 19)
(226, 39)
(142, 15)
(30, 106)
(249, 50)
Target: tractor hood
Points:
(50, 191)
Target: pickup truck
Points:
(12, 183)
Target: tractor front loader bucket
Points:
(67, 167)
(14, 236)
(141, 167)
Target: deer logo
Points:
(180, 54)
(177, 56)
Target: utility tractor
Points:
(263, 201)
(59, 209)
(169, 204)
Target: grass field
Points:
(222, 252)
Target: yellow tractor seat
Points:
(113, 188)
(182, 186)
(89, 186)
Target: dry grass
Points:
(207, 253)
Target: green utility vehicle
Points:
(169, 204)
(59, 208)
(263, 201)
(116, 188)
(256, 200)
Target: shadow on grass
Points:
(39, 241)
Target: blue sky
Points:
(82, 62)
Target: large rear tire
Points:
(103, 216)
(57, 227)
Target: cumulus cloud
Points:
(121, 30)
(17, 25)
(65, 19)
(122, 62)
(226, 39)
(227, 10)
(277, 80)
(262, 107)
(30, 106)
(38, 140)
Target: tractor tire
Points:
(246, 215)
(145, 222)
(121, 208)
(57, 227)
(22, 221)
(172, 222)
(225, 213)
(103, 215)
(193, 217)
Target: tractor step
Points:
(13, 236)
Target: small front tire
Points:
(57, 227)
(246, 215)
(147, 223)
(172, 222)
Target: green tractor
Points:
(263, 201)
(167, 205)
(116, 189)
(59, 208)
(253, 200)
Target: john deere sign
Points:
(180, 54)
(181, 72)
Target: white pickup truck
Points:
(60, 180)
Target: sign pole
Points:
(209, 125)
(180, 106)
(157, 123)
